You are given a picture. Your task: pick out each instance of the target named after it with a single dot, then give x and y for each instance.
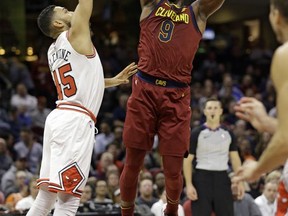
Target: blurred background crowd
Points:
(230, 63)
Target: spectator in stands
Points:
(159, 184)
(119, 113)
(18, 72)
(5, 159)
(105, 137)
(146, 193)
(8, 183)
(115, 151)
(106, 159)
(118, 131)
(229, 89)
(20, 190)
(246, 207)
(101, 192)
(26, 202)
(28, 147)
(267, 202)
(87, 194)
(158, 207)
(112, 184)
(22, 99)
(40, 114)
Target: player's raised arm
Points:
(203, 9)
(208, 7)
(147, 2)
(147, 7)
(79, 33)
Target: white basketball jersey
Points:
(78, 78)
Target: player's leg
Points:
(45, 199)
(174, 136)
(138, 136)
(66, 204)
(71, 152)
(173, 182)
(43, 203)
(129, 179)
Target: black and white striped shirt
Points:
(211, 147)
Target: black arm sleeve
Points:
(233, 145)
(194, 139)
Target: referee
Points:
(212, 145)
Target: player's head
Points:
(213, 110)
(53, 20)
(279, 18)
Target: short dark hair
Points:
(282, 6)
(213, 99)
(44, 20)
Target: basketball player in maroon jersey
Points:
(160, 100)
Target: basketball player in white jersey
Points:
(69, 131)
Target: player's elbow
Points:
(282, 137)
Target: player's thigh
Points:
(71, 150)
(174, 122)
(140, 121)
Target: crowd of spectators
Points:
(27, 95)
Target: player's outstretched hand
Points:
(253, 111)
(123, 76)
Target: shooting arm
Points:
(79, 33)
(147, 2)
(203, 9)
(208, 7)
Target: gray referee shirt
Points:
(211, 147)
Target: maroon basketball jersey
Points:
(169, 39)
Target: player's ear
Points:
(58, 24)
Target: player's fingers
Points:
(249, 105)
(132, 71)
(243, 116)
(238, 108)
(246, 100)
(122, 81)
(129, 66)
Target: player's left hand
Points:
(123, 76)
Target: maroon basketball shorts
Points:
(153, 109)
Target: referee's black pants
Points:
(214, 193)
